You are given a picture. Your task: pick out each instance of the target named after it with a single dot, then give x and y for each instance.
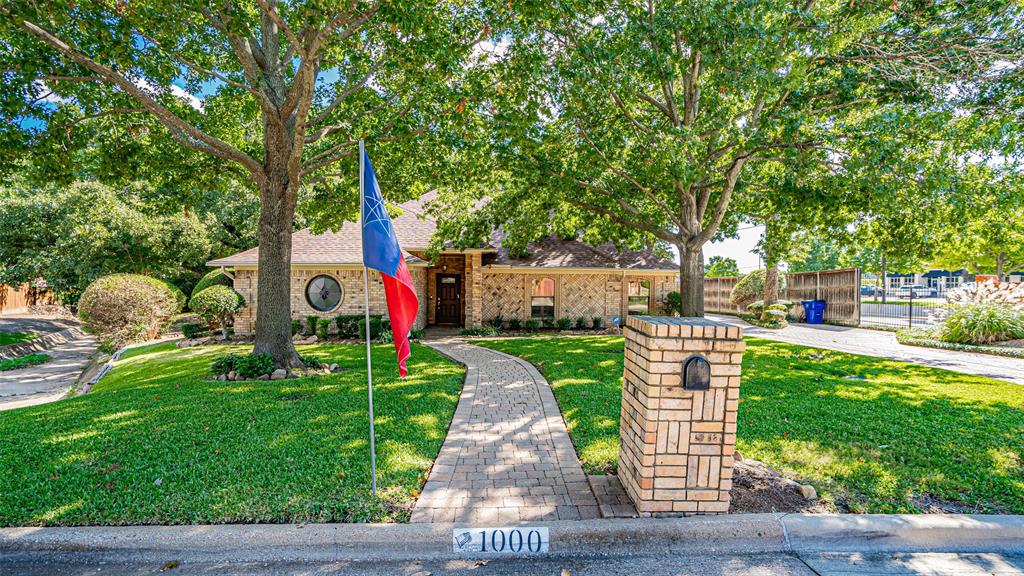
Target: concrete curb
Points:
(40, 344)
(735, 534)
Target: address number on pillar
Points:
(518, 540)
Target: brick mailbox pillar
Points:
(680, 392)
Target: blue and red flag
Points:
(382, 253)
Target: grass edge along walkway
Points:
(158, 442)
(873, 435)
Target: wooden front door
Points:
(449, 299)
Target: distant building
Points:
(937, 280)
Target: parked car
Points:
(870, 291)
(916, 290)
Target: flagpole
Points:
(366, 300)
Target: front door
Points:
(449, 299)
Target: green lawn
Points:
(868, 445)
(15, 337)
(158, 442)
(23, 361)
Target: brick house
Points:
(558, 278)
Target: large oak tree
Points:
(640, 122)
(278, 94)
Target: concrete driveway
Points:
(50, 381)
(883, 344)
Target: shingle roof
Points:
(553, 252)
(414, 228)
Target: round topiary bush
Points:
(213, 278)
(982, 324)
(750, 289)
(218, 303)
(124, 308)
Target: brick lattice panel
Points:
(503, 294)
(583, 295)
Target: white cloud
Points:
(178, 91)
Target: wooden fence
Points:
(18, 299)
(839, 288)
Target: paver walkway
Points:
(884, 345)
(507, 456)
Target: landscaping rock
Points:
(807, 491)
(737, 456)
(231, 375)
(264, 377)
(222, 377)
(333, 367)
(279, 374)
(293, 375)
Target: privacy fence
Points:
(14, 299)
(839, 288)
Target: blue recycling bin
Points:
(814, 310)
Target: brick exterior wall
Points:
(351, 281)
(485, 293)
(585, 294)
(677, 445)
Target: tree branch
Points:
(194, 135)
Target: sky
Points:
(739, 249)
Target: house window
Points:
(542, 298)
(323, 293)
(639, 297)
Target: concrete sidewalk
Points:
(883, 344)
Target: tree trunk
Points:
(885, 283)
(1000, 260)
(771, 288)
(691, 282)
(273, 296)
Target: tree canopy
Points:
(275, 94)
(72, 236)
(642, 121)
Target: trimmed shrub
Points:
(564, 323)
(254, 365)
(248, 366)
(212, 278)
(548, 322)
(532, 325)
(515, 324)
(217, 303)
(417, 334)
(296, 327)
(124, 308)
(311, 322)
(479, 331)
(982, 324)
(194, 330)
(223, 364)
(348, 325)
(377, 326)
(674, 303)
(323, 328)
(751, 288)
(581, 323)
(311, 361)
(596, 322)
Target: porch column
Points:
(474, 290)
